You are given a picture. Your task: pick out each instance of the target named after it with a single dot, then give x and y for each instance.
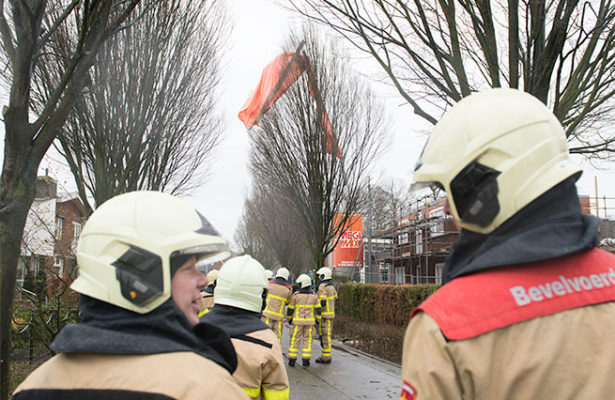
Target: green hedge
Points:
(378, 303)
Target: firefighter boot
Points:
(321, 360)
(291, 362)
(306, 363)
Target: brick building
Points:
(50, 235)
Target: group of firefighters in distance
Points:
(253, 314)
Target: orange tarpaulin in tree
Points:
(277, 77)
(282, 72)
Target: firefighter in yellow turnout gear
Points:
(240, 295)
(328, 296)
(278, 297)
(303, 314)
(206, 302)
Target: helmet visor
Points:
(206, 254)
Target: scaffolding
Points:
(414, 251)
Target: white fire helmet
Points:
(282, 273)
(212, 276)
(324, 273)
(241, 283)
(132, 244)
(493, 153)
(304, 281)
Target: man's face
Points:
(186, 287)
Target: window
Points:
(403, 238)
(419, 241)
(76, 230)
(21, 272)
(437, 228)
(384, 273)
(58, 263)
(59, 223)
(438, 272)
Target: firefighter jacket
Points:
(177, 375)
(260, 370)
(526, 312)
(537, 331)
(116, 353)
(304, 308)
(328, 297)
(278, 296)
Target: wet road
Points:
(351, 375)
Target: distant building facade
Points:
(50, 236)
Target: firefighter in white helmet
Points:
(268, 274)
(206, 302)
(239, 299)
(328, 296)
(303, 314)
(527, 307)
(139, 286)
(278, 296)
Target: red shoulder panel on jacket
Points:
(286, 286)
(475, 304)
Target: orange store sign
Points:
(349, 252)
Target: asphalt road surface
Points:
(352, 375)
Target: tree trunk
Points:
(513, 42)
(16, 196)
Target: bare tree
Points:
(271, 230)
(25, 31)
(290, 149)
(386, 202)
(436, 52)
(148, 119)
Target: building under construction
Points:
(415, 250)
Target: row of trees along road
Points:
(435, 52)
(299, 190)
(128, 87)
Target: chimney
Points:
(46, 188)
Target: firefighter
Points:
(269, 274)
(527, 307)
(303, 314)
(206, 302)
(327, 295)
(239, 299)
(139, 286)
(278, 296)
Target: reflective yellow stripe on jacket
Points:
(328, 310)
(299, 306)
(282, 299)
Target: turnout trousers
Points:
(299, 334)
(326, 329)
(275, 325)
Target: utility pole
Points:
(369, 231)
(596, 192)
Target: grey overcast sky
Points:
(259, 27)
